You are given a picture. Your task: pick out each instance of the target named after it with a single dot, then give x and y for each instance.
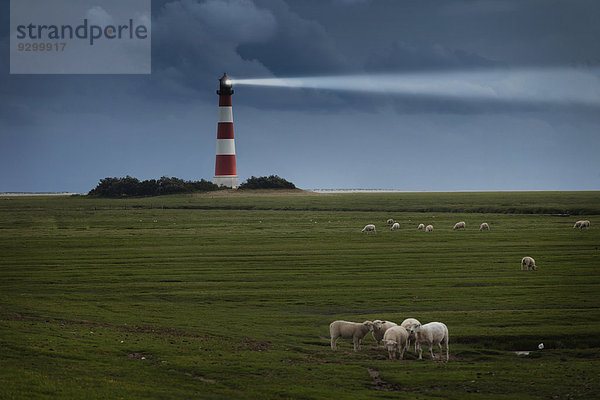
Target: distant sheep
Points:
(369, 228)
(484, 227)
(433, 333)
(390, 221)
(460, 225)
(395, 341)
(379, 328)
(582, 224)
(429, 228)
(407, 324)
(421, 227)
(528, 263)
(349, 330)
(395, 227)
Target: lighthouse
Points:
(225, 168)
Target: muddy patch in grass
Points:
(139, 356)
(380, 384)
(254, 345)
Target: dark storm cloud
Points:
(351, 1)
(515, 32)
(402, 56)
(532, 32)
(195, 42)
(299, 46)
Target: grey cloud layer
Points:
(65, 132)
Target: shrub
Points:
(267, 182)
(132, 187)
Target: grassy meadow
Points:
(230, 295)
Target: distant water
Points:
(14, 194)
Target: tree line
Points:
(133, 187)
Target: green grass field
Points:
(230, 295)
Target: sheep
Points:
(379, 328)
(529, 263)
(390, 221)
(433, 333)
(421, 227)
(395, 340)
(349, 330)
(395, 227)
(429, 228)
(484, 226)
(460, 225)
(585, 224)
(407, 324)
(582, 224)
(369, 228)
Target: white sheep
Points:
(429, 228)
(390, 221)
(349, 330)
(529, 263)
(369, 228)
(395, 227)
(407, 324)
(460, 225)
(421, 227)
(582, 224)
(379, 328)
(585, 224)
(395, 341)
(484, 226)
(433, 333)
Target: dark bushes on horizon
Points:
(267, 182)
(133, 187)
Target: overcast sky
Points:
(66, 132)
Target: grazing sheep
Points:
(429, 228)
(369, 228)
(582, 224)
(421, 227)
(484, 227)
(460, 225)
(395, 227)
(433, 333)
(395, 340)
(529, 263)
(390, 221)
(379, 328)
(349, 330)
(407, 324)
(585, 224)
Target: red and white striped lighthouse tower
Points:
(225, 168)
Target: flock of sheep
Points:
(395, 338)
(429, 228)
(527, 262)
(459, 225)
